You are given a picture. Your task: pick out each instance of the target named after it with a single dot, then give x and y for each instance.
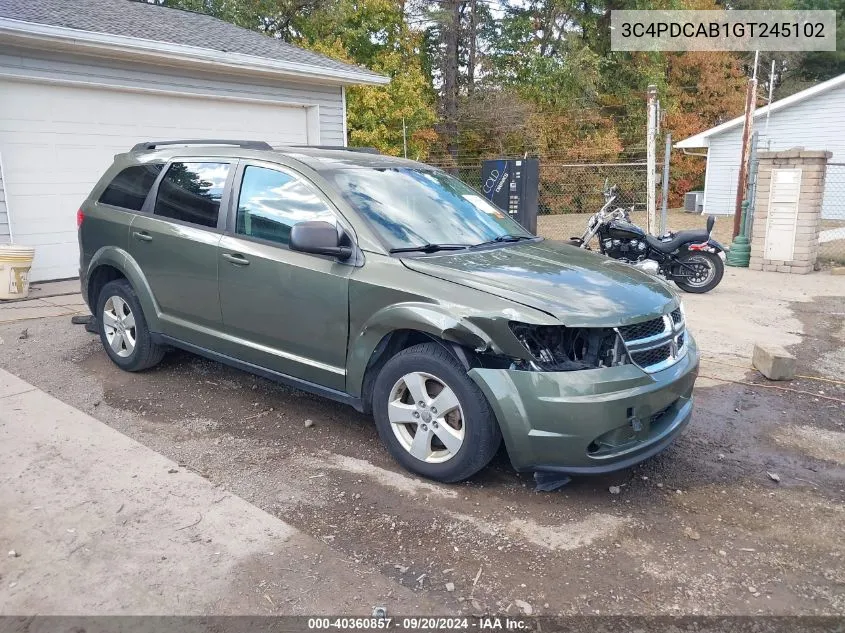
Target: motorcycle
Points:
(689, 258)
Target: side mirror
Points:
(319, 238)
(711, 220)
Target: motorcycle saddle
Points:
(696, 236)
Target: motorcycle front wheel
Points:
(701, 273)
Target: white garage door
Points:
(56, 141)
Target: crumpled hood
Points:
(578, 287)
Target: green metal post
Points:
(740, 253)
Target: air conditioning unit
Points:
(694, 202)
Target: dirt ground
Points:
(703, 528)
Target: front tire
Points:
(432, 417)
(708, 268)
(123, 329)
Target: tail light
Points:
(79, 217)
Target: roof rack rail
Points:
(148, 145)
(340, 148)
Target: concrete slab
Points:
(104, 525)
(11, 385)
(41, 308)
(74, 300)
(43, 289)
(726, 343)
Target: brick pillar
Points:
(807, 221)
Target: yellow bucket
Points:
(15, 262)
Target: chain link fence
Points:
(832, 234)
(571, 192)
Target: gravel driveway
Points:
(702, 528)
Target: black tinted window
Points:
(130, 187)
(271, 202)
(191, 192)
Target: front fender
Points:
(121, 260)
(482, 332)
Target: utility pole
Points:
(769, 108)
(750, 105)
(651, 177)
(472, 46)
(664, 202)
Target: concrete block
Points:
(837, 270)
(773, 361)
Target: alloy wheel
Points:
(426, 417)
(119, 326)
(703, 271)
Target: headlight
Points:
(560, 348)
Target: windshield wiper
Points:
(429, 248)
(507, 237)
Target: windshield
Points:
(415, 207)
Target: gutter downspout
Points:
(343, 101)
(6, 197)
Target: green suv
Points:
(393, 287)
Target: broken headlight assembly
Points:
(561, 348)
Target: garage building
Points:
(813, 119)
(83, 81)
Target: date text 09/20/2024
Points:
(421, 623)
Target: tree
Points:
(703, 90)
(375, 33)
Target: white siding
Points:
(4, 214)
(52, 107)
(817, 123)
(57, 140)
(29, 63)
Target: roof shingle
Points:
(144, 20)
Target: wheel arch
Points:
(401, 326)
(398, 340)
(110, 263)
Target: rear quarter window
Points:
(130, 187)
(191, 192)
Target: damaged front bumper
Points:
(591, 421)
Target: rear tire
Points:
(448, 444)
(708, 279)
(123, 329)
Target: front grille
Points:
(677, 316)
(645, 329)
(652, 356)
(681, 338)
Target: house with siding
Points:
(82, 81)
(813, 119)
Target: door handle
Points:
(236, 258)
(142, 236)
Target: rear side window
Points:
(130, 187)
(191, 192)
